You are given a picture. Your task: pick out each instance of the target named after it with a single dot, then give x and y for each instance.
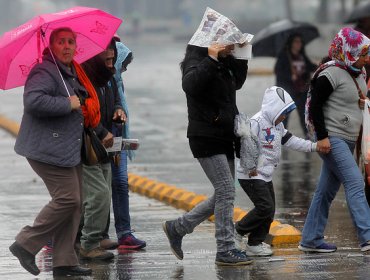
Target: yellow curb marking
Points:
(280, 234)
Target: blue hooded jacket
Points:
(122, 54)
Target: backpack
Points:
(307, 117)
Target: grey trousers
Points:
(97, 193)
(220, 171)
(59, 219)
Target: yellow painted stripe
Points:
(279, 235)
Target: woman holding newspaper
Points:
(210, 78)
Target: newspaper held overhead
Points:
(216, 28)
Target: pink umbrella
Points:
(21, 48)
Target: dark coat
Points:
(283, 72)
(210, 88)
(50, 131)
(106, 88)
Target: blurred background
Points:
(178, 19)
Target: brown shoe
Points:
(96, 254)
(108, 244)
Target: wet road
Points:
(158, 114)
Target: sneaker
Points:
(323, 248)
(108, 244)
(232, 257)
(174, 238)
(129, 241)
(96, 254)
(260, 250)
(366, 246)
(239, 243)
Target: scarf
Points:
(91, 106)
(347, 47)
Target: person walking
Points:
(262, 138)
(97, 178)
(120, 191)
(50, 139)
(337, 101)
(293, 71)
(210, 78)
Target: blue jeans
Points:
(339, 167)
(120, 197)
(220, 171)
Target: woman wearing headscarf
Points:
(336, 108)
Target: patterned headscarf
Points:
(347, 47)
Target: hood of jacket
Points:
(122, 54)
(275, 101)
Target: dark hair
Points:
(55, 32)
(290, 39)
(192, 52)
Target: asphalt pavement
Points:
(22, 194)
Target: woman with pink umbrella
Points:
(50, 139)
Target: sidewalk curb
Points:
(279, 235)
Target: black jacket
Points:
(210, 88)
(283, 72)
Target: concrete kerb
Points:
(279, 235)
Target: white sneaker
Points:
(261, 250)
(239, 243)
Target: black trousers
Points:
(257, 221)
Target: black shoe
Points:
(174, 238)
(26, 259)
(71, 271)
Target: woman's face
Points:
(64, 47)
(297, 45)
(362, 61)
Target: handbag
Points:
(93, 151)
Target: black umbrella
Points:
(271, 39)
(362, 10)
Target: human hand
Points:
(252, 173)
(323, 146)
(119, 116)
(75, 102)
(215, 50)
(108, 140)
(361, 103)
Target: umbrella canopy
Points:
(271, 39)
(21, 48)
(361, 11)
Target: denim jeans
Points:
(220, 171)
(339, 167)
(257, 222)
(120, 196)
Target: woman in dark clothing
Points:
(293, 72)
(210, 78)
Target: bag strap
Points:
(359, 91)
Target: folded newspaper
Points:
(120, 144)
(216, 28)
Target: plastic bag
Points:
(365, 143)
